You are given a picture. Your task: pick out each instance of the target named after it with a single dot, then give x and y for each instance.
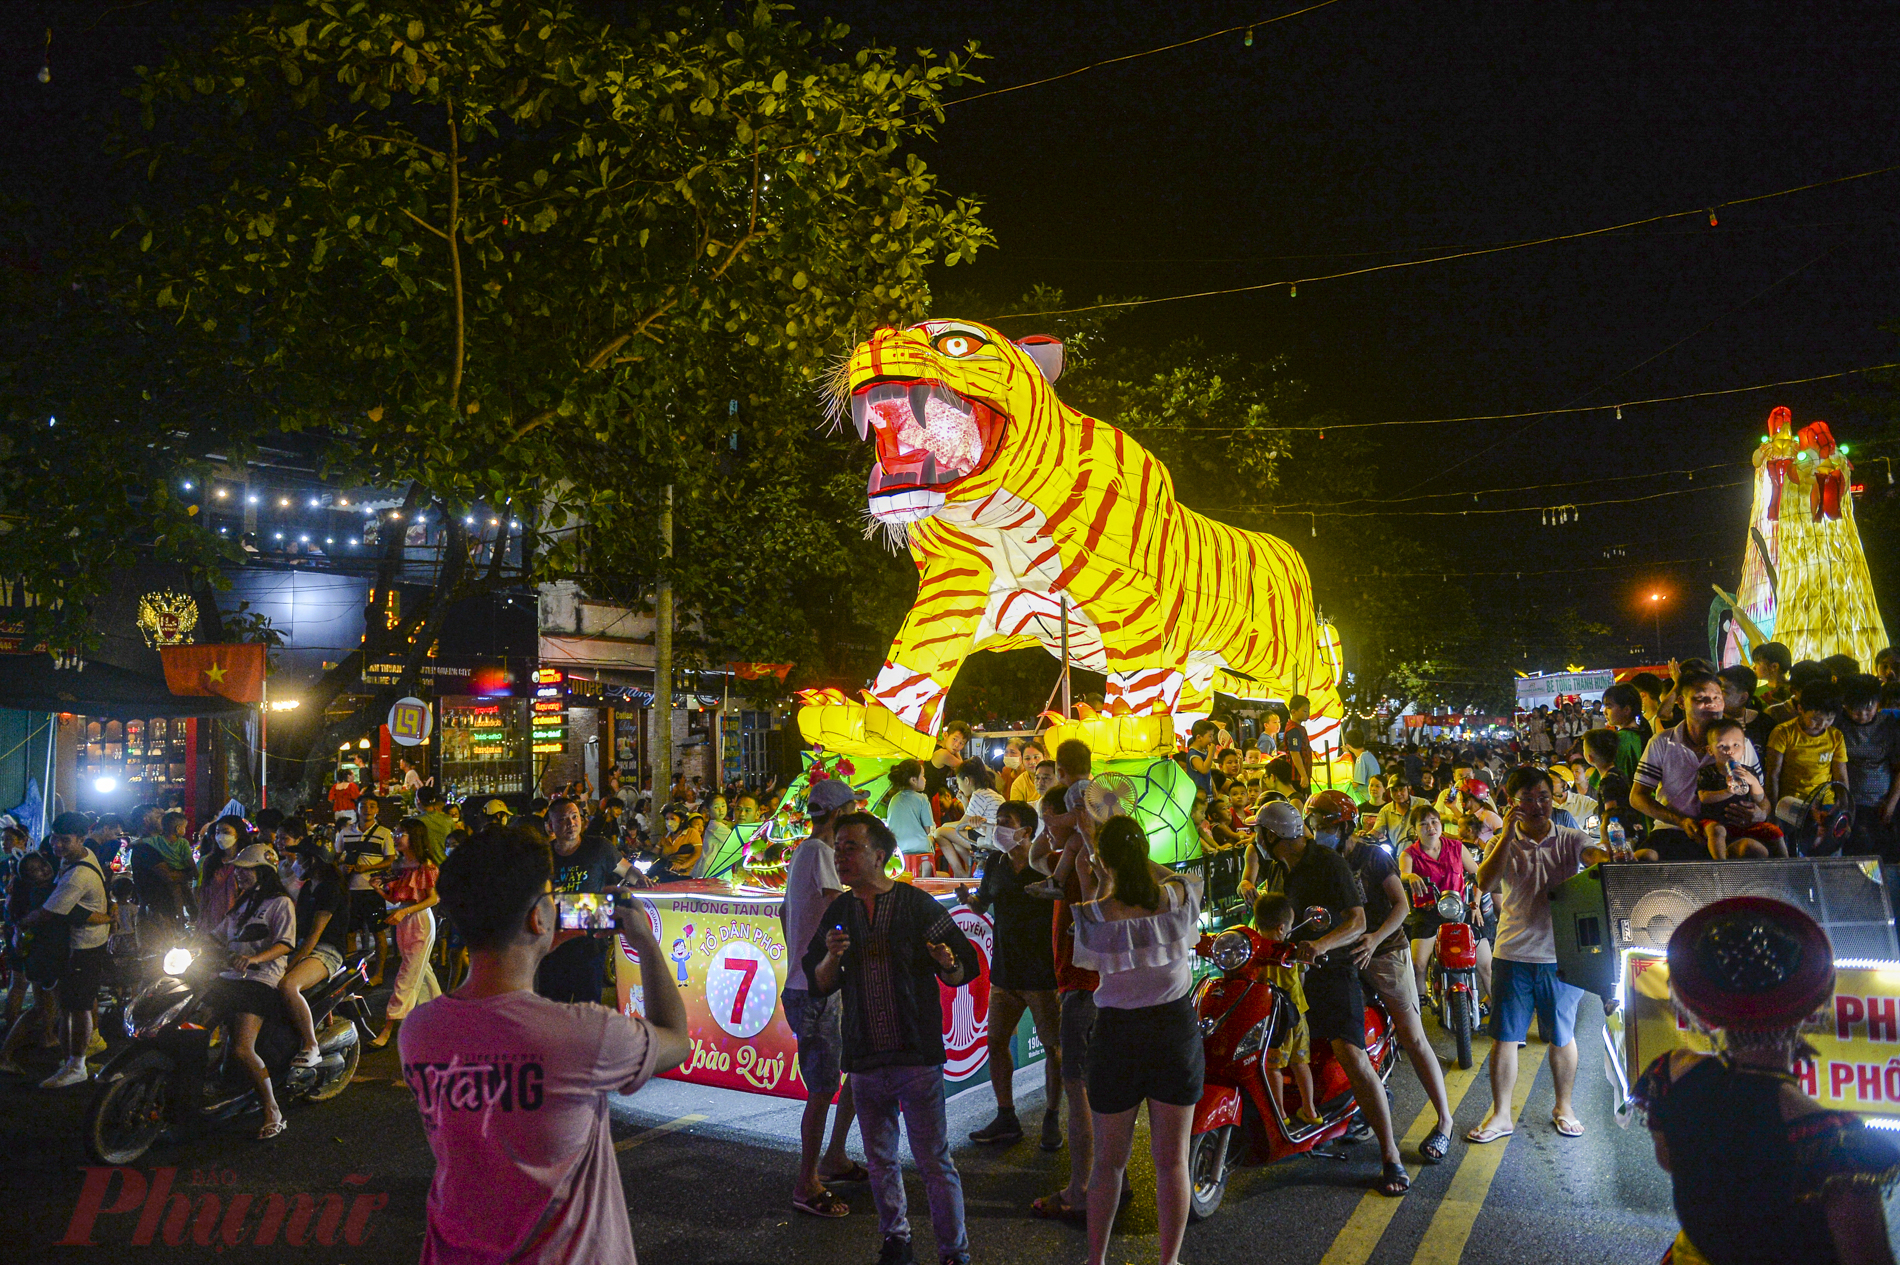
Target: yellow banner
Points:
(1857, 1040)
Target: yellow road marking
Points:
(1367, 1225)
(1444, 1241)
(658, 1130)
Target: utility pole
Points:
(661, 757)
(1067, 713)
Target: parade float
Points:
(1804, 578)
(1031, 525)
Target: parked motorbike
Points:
(1242, 1018)
(1451, 987)
(178, 1074)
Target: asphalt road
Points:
(708, 1175)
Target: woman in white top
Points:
(1139, 932)
(260, 931)
(962, 840)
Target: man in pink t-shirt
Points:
(513, 1087)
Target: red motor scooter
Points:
(1242, 1018)
(1451, 987)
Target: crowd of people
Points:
(1091, 939)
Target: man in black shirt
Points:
(1022, 974)
(1384, 958)
(1308, 873)
(888, 946)
(577, 969)
(941, 769)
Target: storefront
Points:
(119, 738)
(484, 745)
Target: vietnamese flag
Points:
(234, 670)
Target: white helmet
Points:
(1279, 819)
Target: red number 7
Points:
(748, 968)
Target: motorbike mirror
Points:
(1318, 914)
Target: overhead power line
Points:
(1248, 27)
(1708, 209)
(1553, 412)
(1513, 509)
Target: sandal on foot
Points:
(822, 1204)
(1487, 1133)
(1056, 1208)
(1394, 1181)
(856, 1173)
(1566, 1125)
(1433, 1148)
(272, 1128)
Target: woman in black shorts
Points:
(1139, 932)
(260, 932)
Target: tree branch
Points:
(398, 140)
(418, 219)
(605, 356)
(455, 259)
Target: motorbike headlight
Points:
(1232, 950)
(176, 960)
(1256, 1037)
(1451, 907)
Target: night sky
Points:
(1368, 132)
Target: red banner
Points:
(234, 671)
(729, 959)
(754, 671)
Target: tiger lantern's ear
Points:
(1046, 352)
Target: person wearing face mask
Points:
(1022, 974)
(216, 882)
(260, 930)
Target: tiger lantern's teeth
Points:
(863, 402)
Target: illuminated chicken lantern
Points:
(1804, 577)
(1011, 502)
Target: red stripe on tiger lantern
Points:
(1096, 528)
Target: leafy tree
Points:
(493, 252)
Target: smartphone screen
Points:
(585, 911)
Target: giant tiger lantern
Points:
(1010, 501)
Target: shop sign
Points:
(410, 722)
(167, 618)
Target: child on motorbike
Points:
(1273, 918)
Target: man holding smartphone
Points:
(887, 946)
(576, 970)
(513, 1087)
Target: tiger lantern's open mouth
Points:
(928, 437)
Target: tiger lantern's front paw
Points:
(866, 730)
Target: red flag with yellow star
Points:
(235, 671)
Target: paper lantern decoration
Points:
(1804, 577)
(1010, 501)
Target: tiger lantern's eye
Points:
(958, 343)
